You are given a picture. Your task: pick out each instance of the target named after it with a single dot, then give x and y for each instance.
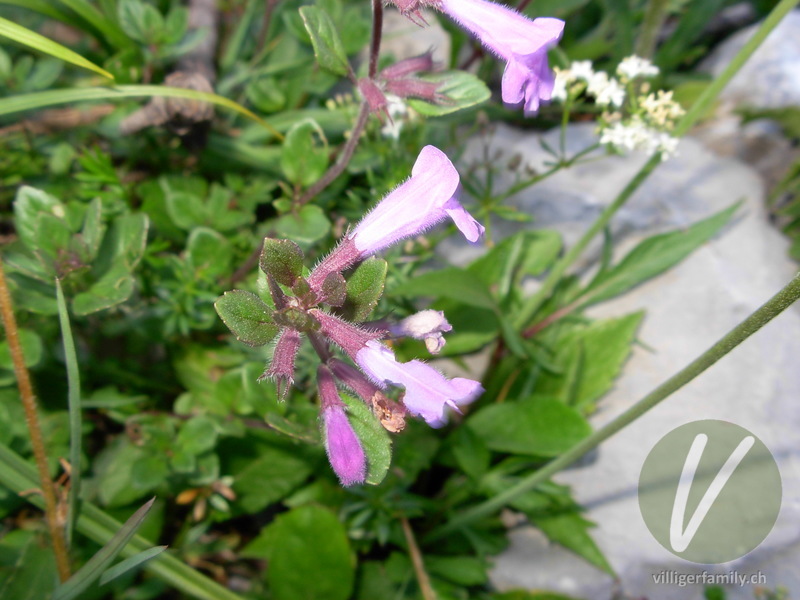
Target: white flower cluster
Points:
(636, 135)
(635, 66)
(644, 124)
(397, 111)
(604, 89)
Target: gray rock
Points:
(771, 78)
(757, 386)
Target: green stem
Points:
(698, 109)
(772, 308)
(74, 407)
(654, 16)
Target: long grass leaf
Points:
(90, 572)
(43, 7)
(21, 102)
(111, 31)
(130, 563)
(19, 475)
(29, 38)
(74, 407)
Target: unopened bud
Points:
(282, 367)
(408, 66)
(345, 452)
(416, 88)
(373, 95)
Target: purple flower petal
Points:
(427, 391)
(345, 452)
(465, 222)
(413, 207)
(522, 42)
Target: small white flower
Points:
(606, 90)
(661, 108)
(636, 66)
(581, 69)
(563, 77)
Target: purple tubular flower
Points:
(418, 204)
(520, 41)
(427, 391)
(344, 449)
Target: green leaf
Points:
(95, 566)
(655, 255)
(304, 156)
(149, 472)
(247, 316)
(93, 228)
(590, 358)
(364, 289)
(325, 39)
(308, 555)
(334, 289)
(31, 350)
(112, 288)
(306, 227)
(462, 570)
(470, 452)
(451, 282)
(571, 530)
(29, 204)
(282, 259)
(209, 252)
(524, 253)
(537, 426)
(197, 435)
(462, 90)
(124, 243)
(32, 558)
(38, 42)
(374, 438)
(130, 563)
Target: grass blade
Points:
(44, 8)
(95, 566)
(130, 563)
(25, 36)
(19, 475)
(74, 407)
(21, 102)
(111, 31)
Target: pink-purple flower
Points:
(345, 452)
(428, 393)
(427, 198)
(520, 41)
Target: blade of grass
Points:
(21, 102)
(18, 475)
(74, 407)
(130, 563)
(29, 38)
(111, 31)
(96, 566)
(44, 8)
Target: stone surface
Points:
(757, 386)
(771, 78)
(404, 39)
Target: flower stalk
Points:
(34, 428)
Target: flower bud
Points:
(344, 449)
(425, 325)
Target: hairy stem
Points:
(34, 428)
(344, 158)
(377, 32)
(423, 580)
(768, 311)
(698, 109)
